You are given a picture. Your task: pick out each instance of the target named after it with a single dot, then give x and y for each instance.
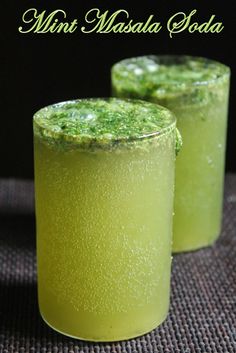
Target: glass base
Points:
(192, 247)
(112, 339)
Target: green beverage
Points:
(196, 90)
(104, 176)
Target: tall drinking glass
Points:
(196, 90)
(104, 176)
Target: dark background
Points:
(40, 69)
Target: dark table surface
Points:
(202, 315)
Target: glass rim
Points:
(45, 132)
(226, 71)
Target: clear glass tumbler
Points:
(196, 90)
(104, 179)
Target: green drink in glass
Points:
(104, 176)
(196, 90)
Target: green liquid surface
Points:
(171, 80)
(100, 123)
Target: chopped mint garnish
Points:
(169, 79)
(101, 123)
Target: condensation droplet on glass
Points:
(209, 160)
